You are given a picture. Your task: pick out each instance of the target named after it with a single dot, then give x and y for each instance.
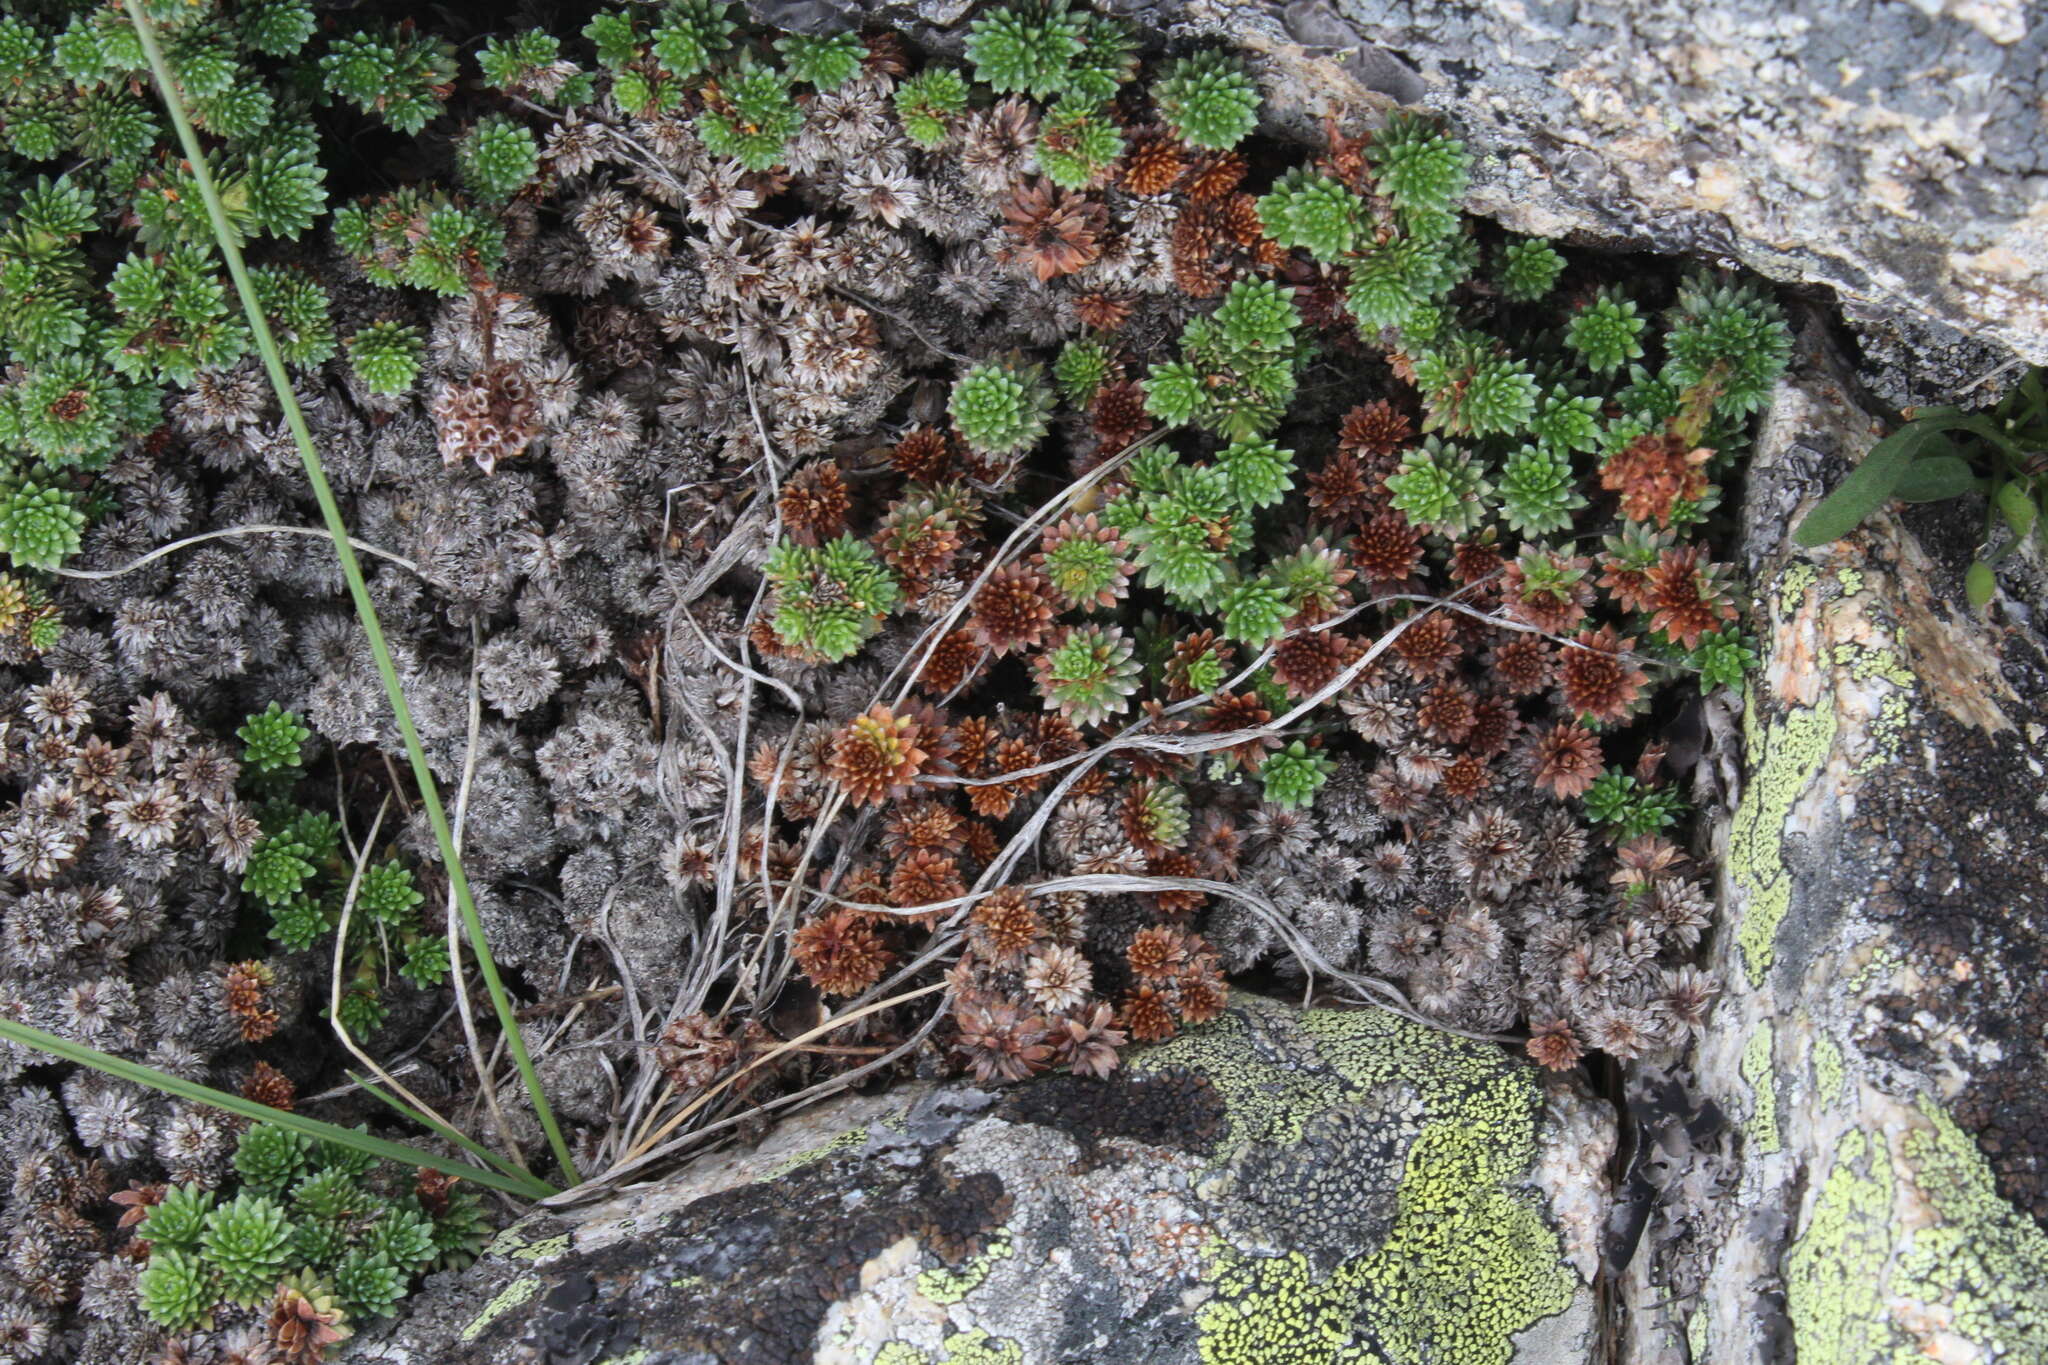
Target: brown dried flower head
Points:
(267, 1085)
(1147, 1014)
(1307, 661)
(1216, 175)
(136, 1201)
(1157, 954)
(1566, 761)
(1653, 473)
(1447, 712)
(1175, 902)
(489, 416)
(1387, 550)
(1014, 609)
(1646, 860)
(840, 952)
(306, 1323)
(1430, 648)
(1466, 779)
(248, 985)
(814, 503)
(925, 877)
(1154, 163)
(1377, 430)
(1102, 312)
(1475, 565)
(879, 754)
(1087, 1043)
(1552, 1045)
(1597, 679)
(1521, 664)
(1230, 713)
(926, 454)
(1057, 978)
(1000, 1042)
(922, 824)
(1688, 598)
(1495, 722)
(1057, 232)
(1202, 991)
(1004, 925)
(951, 662)
(694, 1051)
(1345, 491)
(1118, 413)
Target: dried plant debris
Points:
(993, 551)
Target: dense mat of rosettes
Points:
(810, 457)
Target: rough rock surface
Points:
(1879, 1188)
(1267, 1188)
(1897, 153)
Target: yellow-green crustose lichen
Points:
(1881, 963)
(547, 1248)
(1262, 1103)
(850, 1140)
(1864, 1285)
(1865, 663)
(1834, 1275)
(1756, 1069)
(944, 1286)
(1829, 1074)
(1784, 757)
(1792, 586)
(974, 1347)
(1468, 1265)
(979, 1348)
(1886, 730)
(1469, 1261)
(517, 1238)
(509, 1298)
(1985, 1262)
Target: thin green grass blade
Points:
(330, 511)
(381, 1148)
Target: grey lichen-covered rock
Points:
(1275, 1186)
(1879, 1050)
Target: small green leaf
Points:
(1936, 478)
(1873, 481)
(1978, 584)
(1994, 432)
(2017, 508)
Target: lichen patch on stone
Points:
(510, 1297)
(1834, 1274)
(1785, 757)
(1758, 1071)
(1910, 1254)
